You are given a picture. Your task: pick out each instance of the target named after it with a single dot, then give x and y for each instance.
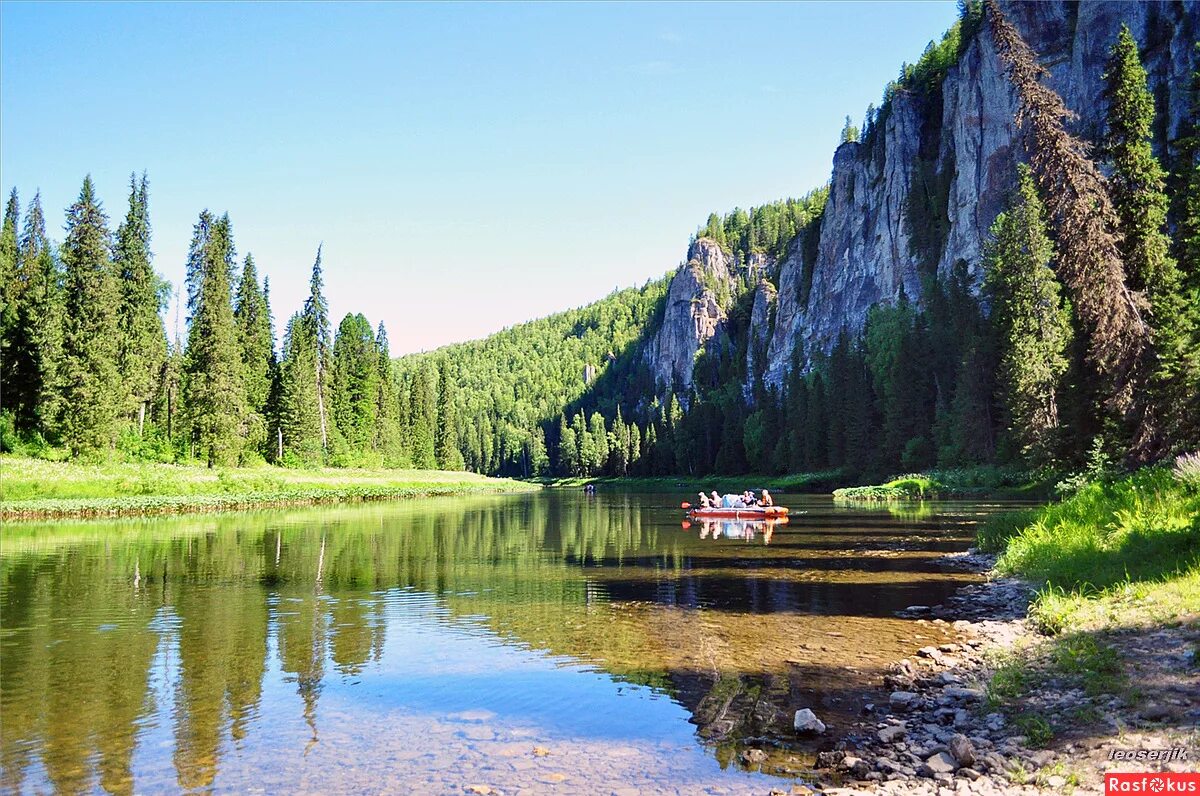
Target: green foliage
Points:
(1036, 729)
(769, 229)
(143, 343)
(354, 393)
(213, 375)
(90, 382)
(1032, 321)
(256, 342)
(850, 133)
(1118, 552)
(1137, 186)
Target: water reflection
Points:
(192, 652)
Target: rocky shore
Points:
(942, 730)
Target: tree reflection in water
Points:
(111, 629)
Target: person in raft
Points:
(766, 500)
(704, 501)
(715, 499)
(748, 499)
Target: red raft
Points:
(753, 513)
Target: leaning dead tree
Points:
(1085, 223)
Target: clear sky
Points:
(466, 166)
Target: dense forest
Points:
(1083, 340)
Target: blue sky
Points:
(467, 166)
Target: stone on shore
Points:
(962, 749)
(807, 722)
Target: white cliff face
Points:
(692, 315)
(765, 299)
(967, 148)
(865, 255)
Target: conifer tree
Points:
(1033, 323)
(449, 457)
(422, 420)
(316, 316)
(213, 383)
(9, 280)
(1078, 204)
(299, 421)
(143, 343)
(256, 343)
(387, 441)
(1186, 198)
(1137, 188)
(90, 382)
(354, 384)
(35, 339)
(256, 334)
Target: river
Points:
(549, 642)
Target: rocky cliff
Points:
(920, 192)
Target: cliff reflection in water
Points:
(124, 639)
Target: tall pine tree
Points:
(90, 384)
(449, 457)
(214, 391)
(1033, 323)
(143, 343)
(316, 318)
(256, 344)
(1137, 187)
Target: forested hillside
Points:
(860, 327)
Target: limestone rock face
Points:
(692, 316)
(969, 148)
(765, 296)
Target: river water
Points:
(538, 643)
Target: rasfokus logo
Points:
(1166, 782)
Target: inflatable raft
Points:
(754, 513)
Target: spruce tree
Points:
(1137, 187)
(10, 282)
(387, 440)
(90, 383)
(316, 316)
(213, 381)
(423, 419)
(1089, 260)
(1186, 194)
(354, 387)
(143, 343)
(1033, 322)
(256, 344)
(299, 422)
(34, 340)
(449, 457)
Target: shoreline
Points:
(953, 724)
(170, 505)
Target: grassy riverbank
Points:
(1118, 552)
(965, 482)
(689, 484)
(1117, 567)
(39, 489)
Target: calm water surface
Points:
(428, 646)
